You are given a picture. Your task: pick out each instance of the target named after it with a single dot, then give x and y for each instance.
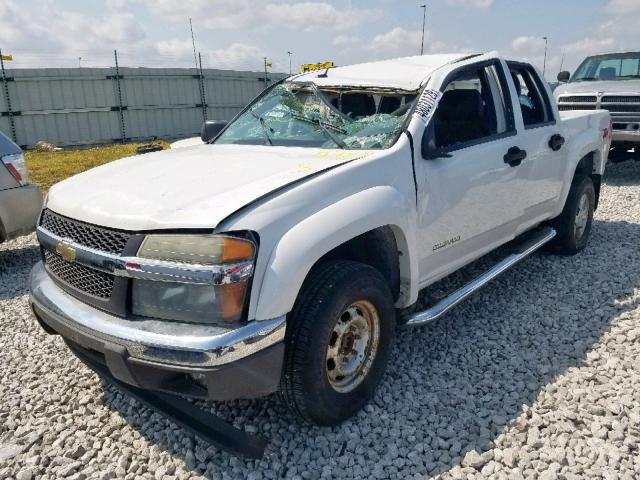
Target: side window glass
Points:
(533, 101)
(468, 110)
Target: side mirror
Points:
(564, 76)
(211, 129)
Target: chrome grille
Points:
(565, 108)
(100, 238)
(622, 108)
(620, 99)
(578, 99)
(86, 280)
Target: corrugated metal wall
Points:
(80, 106)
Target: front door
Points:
(468, 202)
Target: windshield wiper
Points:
(316, 121)
(586, 79)
(265, 127)
(337, 140)
(629, 76)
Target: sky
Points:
(238, 34)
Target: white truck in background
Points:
(276, 256)
(607, 82)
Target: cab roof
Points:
(407, 73)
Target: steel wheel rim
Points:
(352, 347)
(582, 217)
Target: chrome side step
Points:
(537, 240)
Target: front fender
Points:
(303, 245)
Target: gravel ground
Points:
(538, 376)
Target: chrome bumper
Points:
(631, 136)
(158, 341)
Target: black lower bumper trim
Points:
(208, 427)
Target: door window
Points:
(534, 102)
(473, 109)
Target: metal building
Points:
(82, 106)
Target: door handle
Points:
(556, 142)
(515, 156)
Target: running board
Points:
(535, 241)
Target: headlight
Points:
(184, 300)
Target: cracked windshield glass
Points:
(302, 115)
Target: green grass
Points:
(48, 168)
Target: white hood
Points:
(631, 87)
(192, 187)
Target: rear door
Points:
(468, 198)
(540, 134)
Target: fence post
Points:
(7, 99)
(123, 133)
(203, 96)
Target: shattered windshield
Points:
(301, 115)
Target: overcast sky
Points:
(239, 33)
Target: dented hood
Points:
(193, 187)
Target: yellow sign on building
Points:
(310, 67)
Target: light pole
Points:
(544, 66)
(79, 60)
(290, 71)
(424, 21)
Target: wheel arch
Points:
(370, 227)
(590, 165)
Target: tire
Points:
(343, 307)
(573, 226)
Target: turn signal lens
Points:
(235, 250)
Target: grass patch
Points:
(48, 168)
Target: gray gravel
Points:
(538, 376)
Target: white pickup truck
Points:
(278, 256)
(607, 82)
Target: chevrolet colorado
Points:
(276, 256)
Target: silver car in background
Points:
(20, 201)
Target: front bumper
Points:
(197, 360)
(626, 132)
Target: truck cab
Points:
(607, 82)
(283, 253)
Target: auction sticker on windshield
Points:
(427, 105)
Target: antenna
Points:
(193, 42)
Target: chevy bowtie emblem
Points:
(66, 251)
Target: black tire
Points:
(328, 292)
(569, 239)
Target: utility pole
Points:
(7, 98)
(424, 21)
(290, 70)
(544, 67)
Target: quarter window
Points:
(534, 102)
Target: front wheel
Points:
(339, 338)
(573, 226)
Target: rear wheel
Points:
(573, 226)
(339, 338)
